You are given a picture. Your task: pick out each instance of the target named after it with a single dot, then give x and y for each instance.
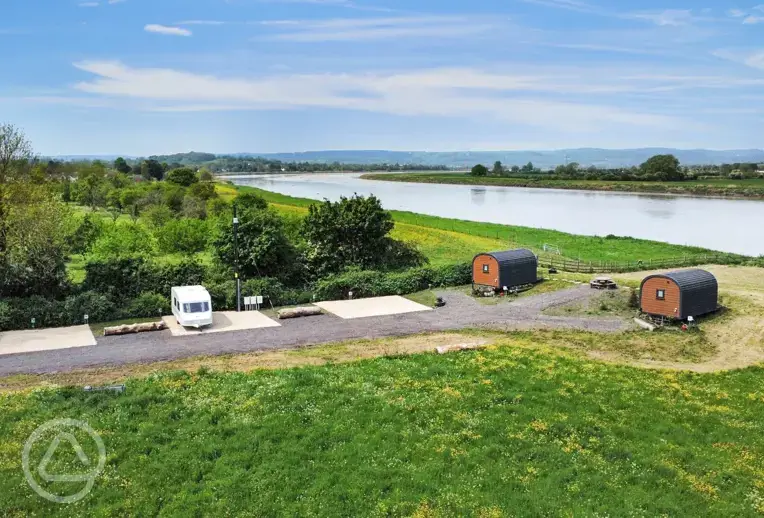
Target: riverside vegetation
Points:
(98, 239)
(659, 174)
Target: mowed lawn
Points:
(508, 431)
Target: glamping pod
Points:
(192, 306)
(508, 269)
(680, 294)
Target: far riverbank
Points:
(721, 188)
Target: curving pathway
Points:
(461, 311)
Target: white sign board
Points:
(247, 301)
(259, 299)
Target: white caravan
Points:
(192, 306)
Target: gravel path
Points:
(461, 311)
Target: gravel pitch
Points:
(460, 312)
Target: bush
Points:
(123, 240)
(203, 191)
(183, 176)
(185, 236)
(158, 215)
(148, 305)
(97, 306)
(128, 277)
(377, 284)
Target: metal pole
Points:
(236, 258)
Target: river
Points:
(719, 224)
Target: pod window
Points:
(660, 294)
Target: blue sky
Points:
(140, 77)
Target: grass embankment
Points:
(751, 188)
(520, 428)
(445, 240)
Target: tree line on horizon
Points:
(661, 168)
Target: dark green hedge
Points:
(136, 289)
(376, 284)
(17, 313)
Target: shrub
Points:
(124, 275)
(157, 215)
(203, 191)
(123, 240)
(376, 284)
(183, 176)
(97, 306)
(148, 305)
(185, 236)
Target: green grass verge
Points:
(446, 240)
(752, 188)
(521, 429)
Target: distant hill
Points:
(464, 159)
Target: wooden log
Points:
(134, 328)
(305, 311)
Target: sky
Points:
(141, 77)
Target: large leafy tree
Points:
(479, 170)
(15, 153)
(183, 176)
(264, 249)
(152, 170)
(351, 232)
(665, 167)
(121, 165)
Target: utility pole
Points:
(236, 258)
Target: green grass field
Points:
(519, 429)
(751, 188)
(445, 240)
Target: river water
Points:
(719, 224)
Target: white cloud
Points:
(457, 92)
(736, 13)
(752, 20)
(163, 29)
(116, 1)
(88, 4)
(356, 29)
(749, 58)
(672, 17)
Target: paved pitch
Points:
(222, 322)
(373, 307)
(12, 342)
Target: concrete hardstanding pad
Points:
(373, 307)
(45, 339)
(224, 321)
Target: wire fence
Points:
(578, 266)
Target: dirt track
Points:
(460, 312)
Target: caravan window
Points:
(196, 307)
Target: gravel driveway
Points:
(461, 311)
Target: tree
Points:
(350, 232)
(85, 234)
(528, 168)
(498, 169)
(91, 184)
(15, 149)
(251, 200)
(479, 170)
(121, 240)
(121, 165)
(205, 175)
(264, 250)
(183, 176)
(152, 170)
(37, 227)
(184, 236)
(202, 191)
(665, 167)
